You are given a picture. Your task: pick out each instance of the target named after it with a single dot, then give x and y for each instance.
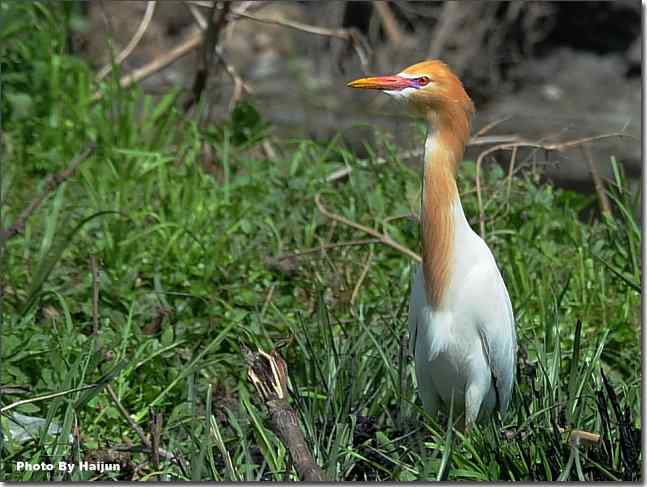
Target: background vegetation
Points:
(202, 242)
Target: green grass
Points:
(186, 224)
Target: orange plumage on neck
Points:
(437, 228)
(449, 132)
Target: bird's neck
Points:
(442, 213)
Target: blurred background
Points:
(553, 71)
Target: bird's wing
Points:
(497, 331)
(416, 303)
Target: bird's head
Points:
(429, 87)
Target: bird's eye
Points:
(423, 80)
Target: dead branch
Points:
(557, 146)
(240, 86)
(352, 36)
(389, 22)
(513, 160)
(159, 63)
(269, 375)
(384, 239)
(146, 20)
(476, 140)
(51, 184)
(213, 30)
(342, 34)
(197, 15)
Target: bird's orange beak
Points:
(385, 83)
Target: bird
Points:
(462, 332)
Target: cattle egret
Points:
(461, 326)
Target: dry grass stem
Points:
(598, 182)
(44, 397)
(494, 123)
(362, 276)
(384, 239)
(131, 422)
(513, 160)
(476, 140)
(268, 300)
(95, 301)
(141, 30)
(325, 247)
(148, 447)
(577, 436)
(192, 42)
(155, 435)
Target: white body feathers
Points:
(468, 346)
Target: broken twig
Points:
(269, 375)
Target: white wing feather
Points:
(417, 301)
(497, 330)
